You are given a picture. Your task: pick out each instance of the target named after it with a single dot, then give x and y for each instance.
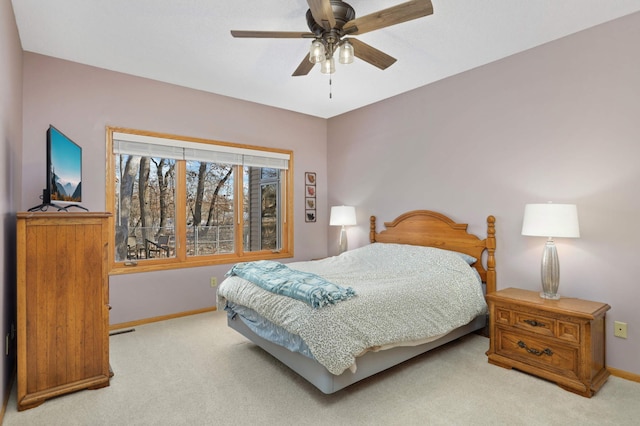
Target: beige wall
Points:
(10, 159)
(559, 122)
(81, 100)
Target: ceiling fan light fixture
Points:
(331, 20)
(316, 52)
(328, 66)
(346, 53)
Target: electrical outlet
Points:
(214, 281)
(620, 329)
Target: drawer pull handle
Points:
(534, 323)
(537, 352)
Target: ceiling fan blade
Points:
(271, 34)
(394, 15)
(304, 67)
(370, 54)
(322, 13)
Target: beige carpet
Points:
(196, 371)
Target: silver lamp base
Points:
(549, 296)
(550, 271)
(342, 246)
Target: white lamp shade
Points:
(551, 220)
(342, 216)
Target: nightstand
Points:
(558, 340)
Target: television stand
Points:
(45, 206)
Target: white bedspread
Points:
(403, 294)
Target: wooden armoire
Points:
(63, 304)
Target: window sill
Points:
(133, 267)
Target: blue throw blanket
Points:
(279, 279)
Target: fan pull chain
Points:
(330, 88)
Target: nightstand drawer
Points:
(535, 323)
(533, 351)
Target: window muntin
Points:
(200, 181)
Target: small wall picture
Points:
(310, 177)
(310, 215)
(311, 190)
(311, 203)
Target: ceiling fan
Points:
(332, 21)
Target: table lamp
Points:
(342, 216)
(550, 220)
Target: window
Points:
(181, 202)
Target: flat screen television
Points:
(64, 172)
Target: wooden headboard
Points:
(432, 229)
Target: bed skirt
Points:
(369, 364)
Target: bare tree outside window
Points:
(144, 207)
(210, 190)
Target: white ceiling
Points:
(187, 42)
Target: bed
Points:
(412, 235)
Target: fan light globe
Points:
(316, 52)
(346, 53)
(328, 66)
